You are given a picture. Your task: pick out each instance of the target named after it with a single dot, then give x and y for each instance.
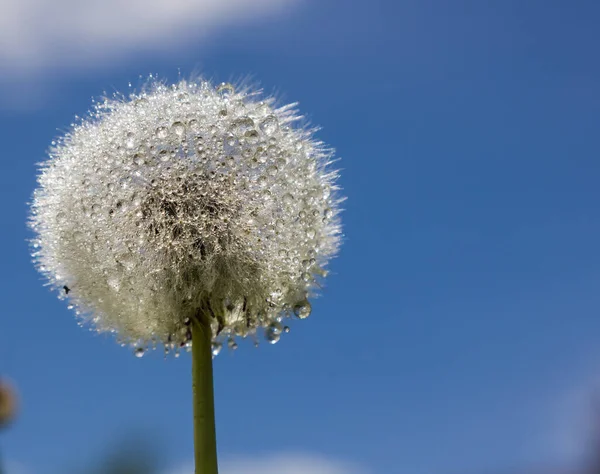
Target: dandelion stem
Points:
(205, 441)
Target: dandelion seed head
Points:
(186, 198)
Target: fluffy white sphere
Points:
(186, 200)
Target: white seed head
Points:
(184, 199)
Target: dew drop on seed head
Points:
(130, 141)
(178, 128)
(162, 132)
(225, 90)
(232, 344)
(243, 125)
(231, 141)
(251, 137)
(288, 199)
(114, 282)
(269, 125)
(216, 348)
(286, 329)
(139, 352)
(273, 332)
(302, 309)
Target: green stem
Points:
(205, 440)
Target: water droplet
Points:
(306, 276)
(231, 141)
(139, 352)
(269, 125)
(327, 214)
(225, 90)
(302, 309)
(70, 306)
(127, 261)
(216, 348)
(288, 199)
(243, 125)
(164, 155)
(162, 132)
(273, 332)
(178, 128)
(310, 233)
(251, 137)
(130, 141)
(114, 282)
(276, 294)
(286, 329)
(232, 344)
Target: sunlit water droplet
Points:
(216, 348)
(243, 125)
(114, 282)
(130, 141)
(178, 128)
(251, 137)
(269, 125)
(288, 199)
(139, 352)
(225, 90)
(162, 132)
(273, 332)
(232, 344)
(302, 309)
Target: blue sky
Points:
(459, 330)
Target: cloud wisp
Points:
(40, 34)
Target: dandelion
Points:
(187, 216)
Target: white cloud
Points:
(280, 464)
(12, 467)
(36, 34)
